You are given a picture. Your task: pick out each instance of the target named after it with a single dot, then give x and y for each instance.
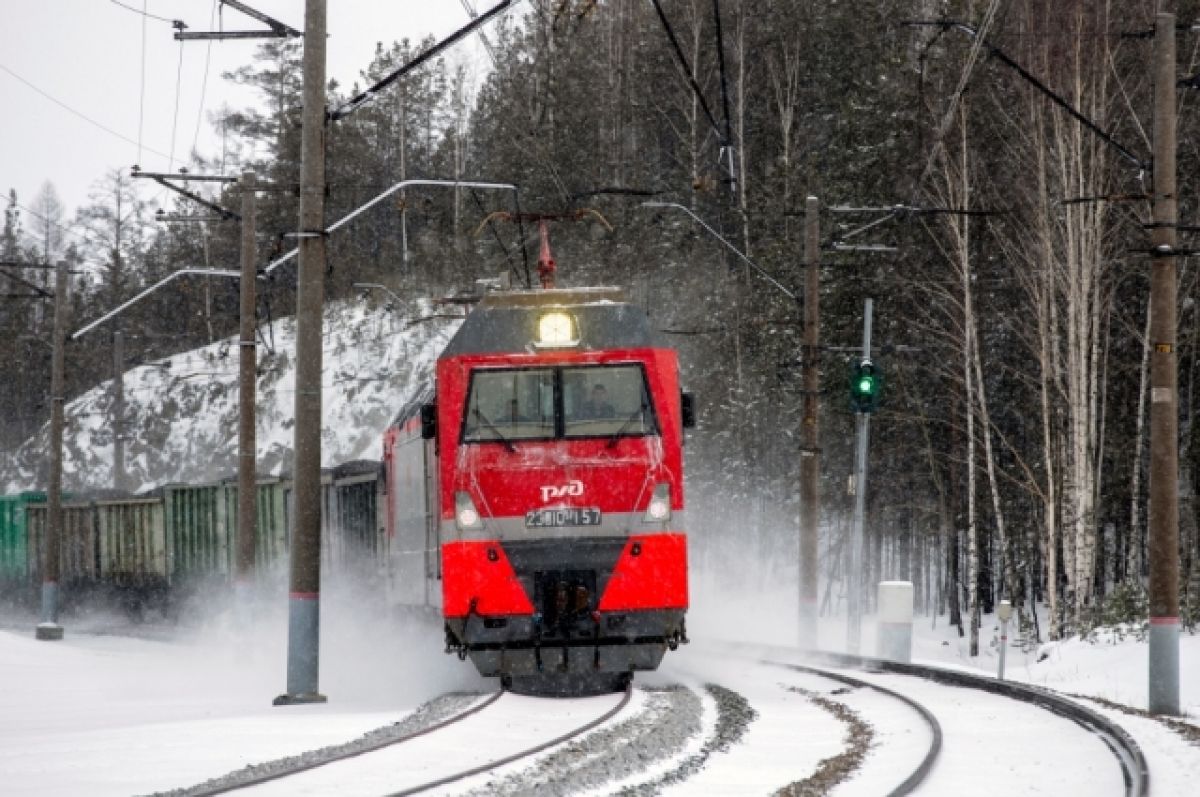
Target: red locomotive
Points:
(538, 499)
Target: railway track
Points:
(914, 778)
(1128, 756)
(339, 769)
(676, 734)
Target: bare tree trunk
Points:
(1009, 579)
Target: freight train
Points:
(534, 500)
(149, 552)
(537, 500)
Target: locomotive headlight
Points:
(659, 509)
(466, 516)
(557, 329)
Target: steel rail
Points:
(305, 767)
(918, 775)
(479, 770)
(1132, 761)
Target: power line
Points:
(204, 81)
(686, 69)
(175, 116)
(82, 116)
(366, 96)
(143, 12)
(142, 88)
(68, 230)
(948, 119)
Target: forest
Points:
(1004, 244)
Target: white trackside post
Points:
(1004, 612)
(894, 631)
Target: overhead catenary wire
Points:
(81, 115)
(728, 138)
(496, 233)
(204, 80)
(686, 69)
(977, 36)
(64, 228)
(175, 115)
(143, 12)
(369, 94)
(142, 89)
(487, 45)
(977, 45)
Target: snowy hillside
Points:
(182, 411)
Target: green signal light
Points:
(865, 386)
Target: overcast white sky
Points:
(87, 54)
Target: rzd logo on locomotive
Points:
(572, 488)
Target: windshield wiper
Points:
(488, 423)
(612, 441)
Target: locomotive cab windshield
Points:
(610, 401)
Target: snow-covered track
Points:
(1129, 755)
(526, 753)
(289, 767)
(918, 775)
(439, 751)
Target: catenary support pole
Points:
(854, 576)
(247, 361)
(1164, 389)
(810, 496)
(49, 628)
(304, 598)
(118, 411)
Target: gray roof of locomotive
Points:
(507, 322)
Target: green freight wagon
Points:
(197, 532)
(79, 551)
(351, 532)
(14, 540)
(356, 508)
(133, 543)
(271, 531)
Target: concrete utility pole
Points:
(810, 496)
(1164, 389)
(49, 628)
(118, 411)
(854, 560)
(304, 599)
(247, 362)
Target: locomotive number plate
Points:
(571, 516)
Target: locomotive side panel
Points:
(412, 548)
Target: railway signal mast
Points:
(865, 385)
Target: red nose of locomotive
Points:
(562, 499)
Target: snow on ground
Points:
(111, 714)
(1111, 666)
(104, 713)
